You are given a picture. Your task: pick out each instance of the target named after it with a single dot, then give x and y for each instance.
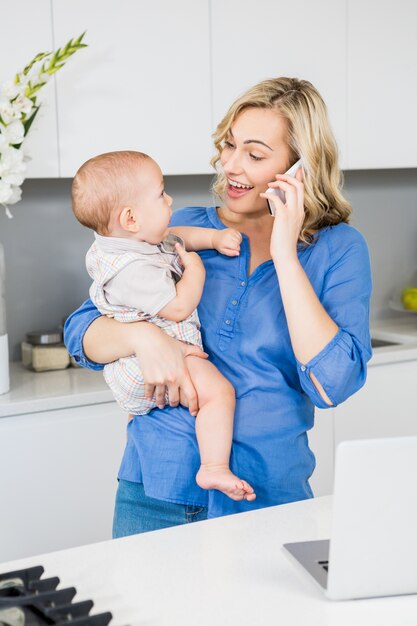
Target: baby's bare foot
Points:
(221, 478)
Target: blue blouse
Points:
(245, 333)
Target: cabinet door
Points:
(254, 41)
(382, 85)
(20, 41)
(321, 440)
(58, 474)
(384, 407)
(142, 84)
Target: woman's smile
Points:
(236, 189)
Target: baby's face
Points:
(153, 205)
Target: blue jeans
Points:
(135, 512)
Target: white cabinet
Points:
(360, 54)
(382, 85)
(142, 84)
(269, 38)
(20, 41)
(58, 474)
(384, 407)
(321, 440)
(158, 76)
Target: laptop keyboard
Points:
(325, 565)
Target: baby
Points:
(142, 271)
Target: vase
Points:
(4, 344)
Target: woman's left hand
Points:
(289, 217)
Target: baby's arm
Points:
(189, 288)
(226, 241)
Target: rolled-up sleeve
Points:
(341, 366)
(74, 330)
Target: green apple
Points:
(409, 298)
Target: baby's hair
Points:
(102, 185)
(309, 137)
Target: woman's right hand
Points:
(162, 361)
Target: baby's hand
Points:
(227, 241)
(188, 259)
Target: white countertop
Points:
(31, 392)
(222, 572)
(403, 330)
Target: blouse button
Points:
(234, 302)
(303, 368)
(243, 283)
(228, 322)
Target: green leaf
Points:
(52, 70)
(67, 47)
(36, 59)
(54, 57)
(80, 38)
(28, 123)
(34, 89)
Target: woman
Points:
(287, 321)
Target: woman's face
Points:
(254, 151)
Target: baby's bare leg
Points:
(214, 430)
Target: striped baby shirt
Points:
(132, 281)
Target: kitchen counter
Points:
(223, 572)
(402, 330)
(31, 392)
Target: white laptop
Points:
(373, 546)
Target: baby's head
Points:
(121, 194)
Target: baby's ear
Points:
(128, 220)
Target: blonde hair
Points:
(104, 184)
(309, 138)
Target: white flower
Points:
(23, 104)
(12, 166)
(3, 143)
(14, 179)
(8, 112)
(11, 90)
(16, 195)
(14, 133)
(6, 192)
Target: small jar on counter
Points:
(44, 350)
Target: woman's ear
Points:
(129, 220)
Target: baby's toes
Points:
(238, 493)
(246, 486)
(240, 489)
(249, 492)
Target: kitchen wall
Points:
(45, 245)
